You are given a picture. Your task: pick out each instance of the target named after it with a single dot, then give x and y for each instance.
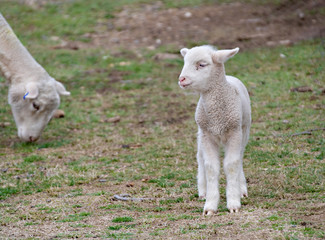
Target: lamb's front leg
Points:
(212, 168)
(201, 178)
(233, 168)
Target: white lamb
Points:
(33, 94)
(223, 116)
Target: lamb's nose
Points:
(181, 79)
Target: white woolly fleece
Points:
(223, 116)
(33, 94)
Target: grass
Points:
(64, 183)
(122, 219)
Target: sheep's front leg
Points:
(212, 168)
(233, 171)
(201, 178)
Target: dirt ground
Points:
(150, 26)
(222, 25)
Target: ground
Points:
(223, 25)
(129, 129)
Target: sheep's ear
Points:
(31, 91)
(61, 89)
(222, 56)
(184, 51)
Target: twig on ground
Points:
(308, 132)
(127, 197)
(301, 133)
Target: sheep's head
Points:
(33, 105)
(201, 64)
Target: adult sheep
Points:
(223, 116)
(33, 94)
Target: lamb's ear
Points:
(222, 56)
(61, 89)
(183, 51)
(31, 91)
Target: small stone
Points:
(271, 43)
(285, 42)
(124, 63)
(54, 38)
(188, 14)
(301, 15)
(113, 119)
(151, 48)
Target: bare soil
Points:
(150, 26)
(223, 25)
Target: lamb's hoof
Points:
(234, 210)
(209, 212)
(244, 195)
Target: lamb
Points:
(33, 93)
(223, 116)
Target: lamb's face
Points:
(33, 106)
(196, 71)
(202, 65)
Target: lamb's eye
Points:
(35, 106)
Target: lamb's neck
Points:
(218, 91)
(16, 63)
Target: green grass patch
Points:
(71, 174)
(75, 217)
(33, 158)
(122, 219)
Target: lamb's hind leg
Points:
(233, 171)
(242, 181)
(243, 184)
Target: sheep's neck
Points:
(218, 96)
(217, 111)
(16, 63)
(218, 90)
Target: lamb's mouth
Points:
(184, 85)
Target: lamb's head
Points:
(33, 105)
(202, 65)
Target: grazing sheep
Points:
(33, 93)
(223, 116)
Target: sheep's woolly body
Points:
(223, 116)
(33, 94)
(16, 63)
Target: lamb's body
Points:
(33, 94)
(223, 116)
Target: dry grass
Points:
(63, 185)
